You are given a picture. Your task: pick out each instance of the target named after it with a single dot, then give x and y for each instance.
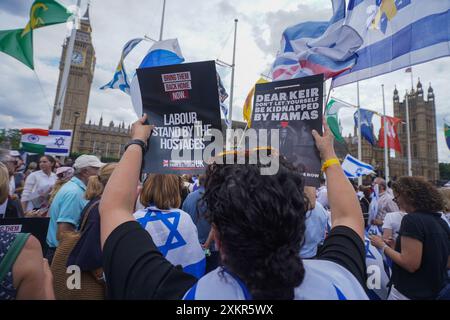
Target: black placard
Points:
(295, 108)
(176, 98)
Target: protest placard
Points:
(295, 108)
(182, 101)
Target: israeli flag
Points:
(353, 168)
(120, 79)
(324, 280)
(162, 53)
(176, 236)
(397, 34)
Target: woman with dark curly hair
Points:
(422, 251)
(258, 223)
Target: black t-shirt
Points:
(434, 233)
(135, 268)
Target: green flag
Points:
(17, 45)
(46, 13)
(331, 114)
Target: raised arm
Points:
(344, 205)
(118, 199)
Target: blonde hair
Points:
(96, 184)
(162, 190)
(4, 183)
(445, 192)
(58, 185)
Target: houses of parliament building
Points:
(108, 140)
(424, 151)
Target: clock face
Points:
(77, 58)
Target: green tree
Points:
(444, 170)
(14, 137)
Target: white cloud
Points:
(205, 32)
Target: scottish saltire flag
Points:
(366, 125)
(397, 34)
(49, 142)
(317, 47)
(447, 131)
(331, 114)
(353, 168)
(378, 272)
(176, 236)
(120, 79)
(223, 95)
(162, 53)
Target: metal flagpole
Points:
(162, 21)
(408, 134)
(56, 125)
(359, 131)
(386, 144)
(233, 67)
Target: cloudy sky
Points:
(205, 32)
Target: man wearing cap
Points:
(69, 202)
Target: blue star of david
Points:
(174, 239)
(59, 141)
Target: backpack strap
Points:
(12, 254)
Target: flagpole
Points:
(162, 21)
(56, 125)
(412, 79)
(408, 134)
(233, 67)
(386, 144)
(359, 130)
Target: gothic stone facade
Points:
(424, 152)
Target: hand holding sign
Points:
(325, 143)
(140, 130)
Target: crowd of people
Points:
(231, 233)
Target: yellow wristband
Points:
(329, 163)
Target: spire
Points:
(86, 14)
(101, 121)
(430, 93)
(396, 97)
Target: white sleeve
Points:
(387, 223)
(30, 182)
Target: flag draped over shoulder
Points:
(366, 125)
(397, 34)
(18, 43)
(317, 47)
(120, 79)
(248, 105)
(392, 135)
(331, 115)
(354, 168)
(175, 235)
(49, 142)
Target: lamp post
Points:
(76, 115)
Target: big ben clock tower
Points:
(79, 82)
